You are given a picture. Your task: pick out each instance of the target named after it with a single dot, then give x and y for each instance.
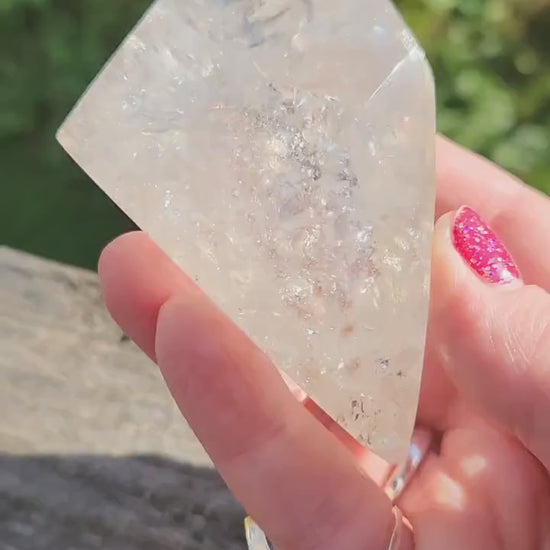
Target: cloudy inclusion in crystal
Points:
(282, 153)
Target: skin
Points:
(485, 392)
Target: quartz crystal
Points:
(282, 153)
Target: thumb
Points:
(492, 332)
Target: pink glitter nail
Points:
(480, 247)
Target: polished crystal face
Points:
(282, 153)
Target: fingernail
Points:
(481, 248)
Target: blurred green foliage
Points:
(490, 57)
(491, 60)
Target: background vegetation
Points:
(491, 60)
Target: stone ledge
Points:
(93, 453)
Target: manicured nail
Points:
(482, 250)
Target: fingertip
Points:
(113, 251)
(461, 297)
(456, 300)
(450, 277)
(442, 242)
(136, 278)
(469, 257)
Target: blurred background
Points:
(491, 60)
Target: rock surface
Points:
(93, 453)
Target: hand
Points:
(486, 389)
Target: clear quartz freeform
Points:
(282, 152)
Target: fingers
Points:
(519, 214)
(290, 473)
(136, 279)
(490, 331)
(482, 491)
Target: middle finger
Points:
(291, 474)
